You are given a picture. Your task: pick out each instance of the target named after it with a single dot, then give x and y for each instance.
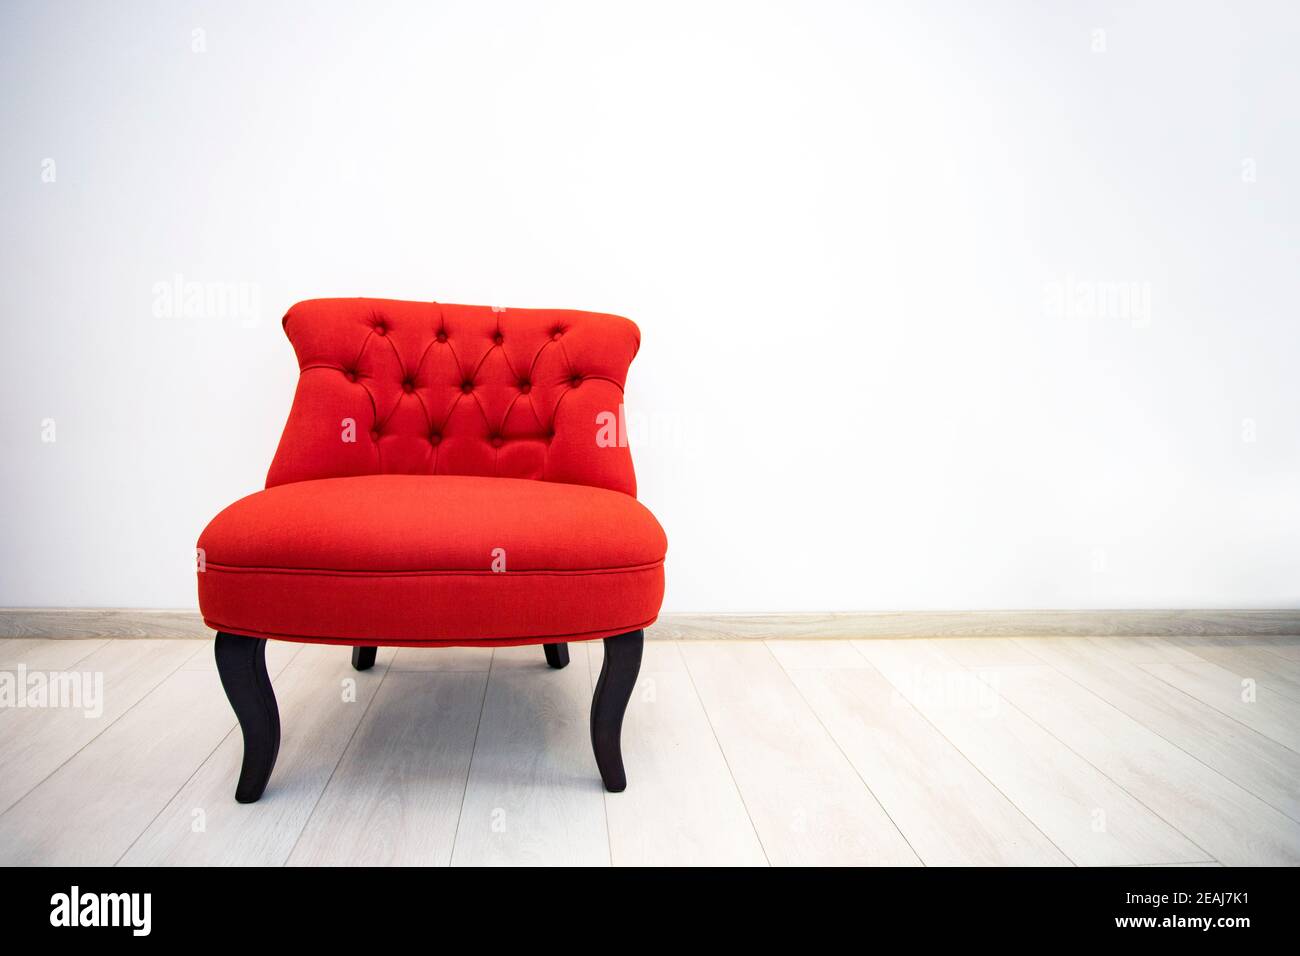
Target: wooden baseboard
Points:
(134, 623)
(868, 624)
(112, 622)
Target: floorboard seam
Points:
(852, 766)
(26, 793)
(333, 770)
(1132, 717)
(1124, 789)
(722, 751)
(964, 756)
(469, 769)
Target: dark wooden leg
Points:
(363, 658)
(557, 655)
(241, 662)
(613, 689)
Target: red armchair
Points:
(449, 475)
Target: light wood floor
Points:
(1056, 751)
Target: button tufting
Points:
(413, 390)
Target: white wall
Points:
(860, 240)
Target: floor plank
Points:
(204, 826)
(1228, 823)
(1272, 652)
(137, 765)
(1202, 863)
(681, 807)
(1260, 765)
(1269, 713)
(986, 652)
(534, 796)
(45, 654)
(1252, 660)
(809, 805)
(278, 654)
(395, 798)
(35, 741)
(1090, 818)
(1144, 650)
(444, 659)
(949, 812)
(1285, 647)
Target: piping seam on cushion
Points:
(441, 641)
(430, 572)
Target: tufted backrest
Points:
(424, 388)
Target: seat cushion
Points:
(425, 559)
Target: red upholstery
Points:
(454, 390)
(468, 502)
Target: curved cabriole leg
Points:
(363, 658)
(241, 662)
(557, 655)
(613, 689)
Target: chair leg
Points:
(363, 658)
(613, 690)
(557, 655)
(241, 662)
